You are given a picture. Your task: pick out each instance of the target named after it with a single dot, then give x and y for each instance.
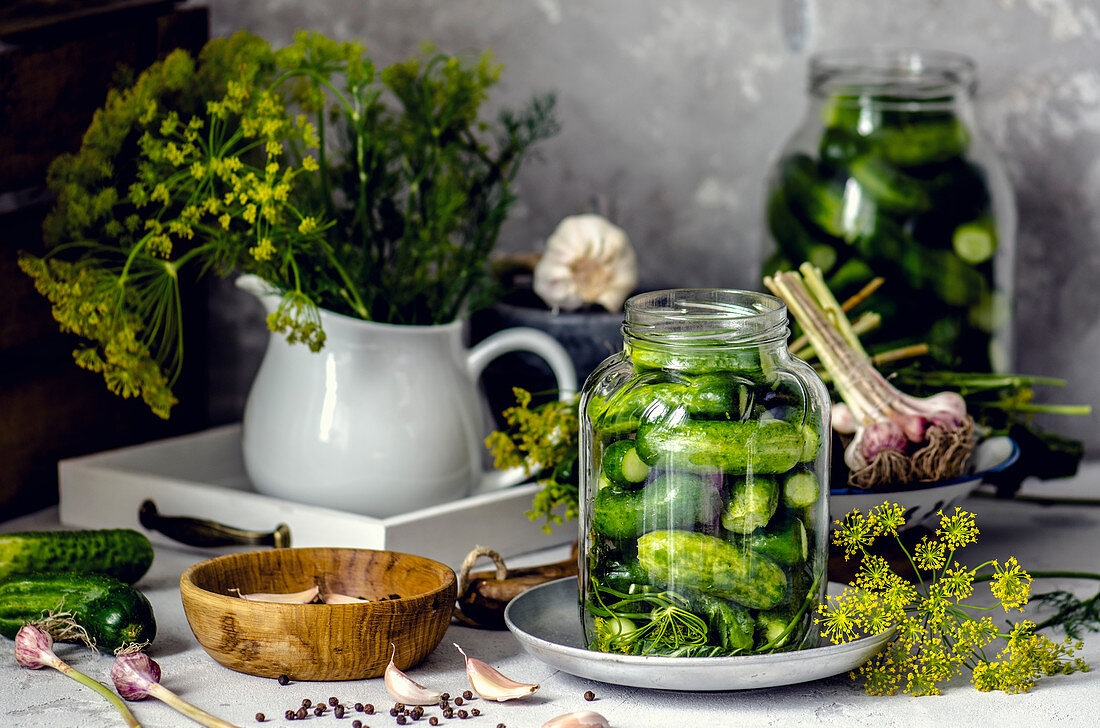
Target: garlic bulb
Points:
(587, 260)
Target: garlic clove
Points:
(490, 684)
(303, 597)
(581, 719)
(334, 598)
(404, 689)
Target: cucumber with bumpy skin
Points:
(752, 505)
(672, 500)
(622, 465)
(111, 612)
(732, 447)
(122, 553)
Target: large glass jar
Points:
(704, 464)
(888, 176)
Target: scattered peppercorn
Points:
(416, 713)
(338, 711)
(463, 714)
(394, 711)
(333, 701)
(501, 725)
(458, 701)
(260, 717)
(448, 713)
(307, 703)
(475, 712)
(357, 723)
(301, 713)
(445, 696)
(467, 694)
(290, 715)
(319, 710)
(284, 680)
(402, 720)
(589, 696)
(433, 721)
(399, 706)
(358, 707)
(368, 709)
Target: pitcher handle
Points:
(521, 339)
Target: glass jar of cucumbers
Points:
(704, 455)
(888, 176)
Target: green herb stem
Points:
(99, 687)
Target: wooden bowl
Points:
(318, 641)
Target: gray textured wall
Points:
(672, 110)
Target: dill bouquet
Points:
(378, 194)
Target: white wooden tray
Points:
(202, 476)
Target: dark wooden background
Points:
(57, 60)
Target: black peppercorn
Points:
(307, 703)
(399, 706)
(333, 701)
(458, 701)
(260, 717)
(433, 721)
(467, 694)
(319, 710)
(357, 723)
(589, 696)
(301, 713)
(402, 720)
(475, 712)
(501, 725)
(368, 709)
(284, 680)
(445, 696)
(416, 713)
(448, 713)
(463, 714)
(358, 707)
(290, 715)
(394, 711)
(338, 711)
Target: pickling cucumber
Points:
(703, 395)
(731, 447)
(672, 500)
(113, 613)
(795, 239)
(785, 542)
(714, 567)
(922, 143)
(888, 186)
(752, 505)
(801, 490)
(622, 465)
(122, 553)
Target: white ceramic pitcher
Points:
(385, 419)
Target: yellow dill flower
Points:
(160, 192)
(1011, 585)
(169, 124)
(957, 583)
(309, 164)
(838, 620)
(263, 250)
(148, 113)
(249, 213)
(958, 529)
(889, 517)
(225, 220)
(856, 532)
(273, 149)
(138, 195)
(198, 170)
(307, 225)
(930, 554)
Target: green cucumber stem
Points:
(177, 703)
(99, 687)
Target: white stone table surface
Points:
(1042, 537)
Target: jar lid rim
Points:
(705, 316)
(913, 72)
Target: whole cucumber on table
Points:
(111, 612)
(713, 566)
(732, 447)
(122, 553)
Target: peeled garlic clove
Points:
(404, 689)
(587, 260)
(303, 597)
(582, 719)
(490, 684)
(334, 598)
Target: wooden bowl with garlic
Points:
(249, 611)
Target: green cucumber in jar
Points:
(698, 360)
(671, 500)
(975, 241)
(888, 186)
(622, 465)
(751, 506)
(623, 575)
(801, 490)
(731, 447)
(704, 395)
(922, 143)
(731, 626)
(785, 543)
(112, 612)
(839, 146)
(796, 240)
(122, 553)
(713, 566)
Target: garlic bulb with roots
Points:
(587, 260)
(897, 438)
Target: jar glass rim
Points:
(705, 317)
(892, 76)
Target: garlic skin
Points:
(404, 689)
(581, 719)
(490, 684)
(587, 260)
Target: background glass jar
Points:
(888, 175)
(704, 481)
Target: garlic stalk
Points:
(404, 689)
(34, 650)
(137, 676)
(587, 260)
(580, 719)
(489, 683)
(897, 438)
